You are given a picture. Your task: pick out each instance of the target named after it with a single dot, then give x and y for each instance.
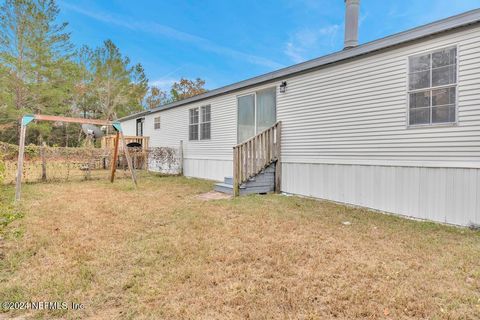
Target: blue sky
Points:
(227, 41)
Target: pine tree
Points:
(15, 28)
(35, 52)
(41, 73)
(120, 88)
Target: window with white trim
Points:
(193, 124)
(432, 85)
(199, 125)
(156, 123)
(205, 122)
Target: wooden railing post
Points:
(278, 154)
(236, 171)
(254, 156)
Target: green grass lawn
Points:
(160, 252)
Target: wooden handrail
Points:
(261, 132)
(255, 154)
(108, 142)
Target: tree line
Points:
(41, 71)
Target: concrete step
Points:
(228, 180)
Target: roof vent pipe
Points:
(352, 8)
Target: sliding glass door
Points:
(256, 112)
(266, 109)
(246, 117)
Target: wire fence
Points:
(44, 163)
(165, 160)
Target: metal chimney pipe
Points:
(352, 8)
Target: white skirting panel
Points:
(207, 168)
(449, 195)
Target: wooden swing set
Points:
(39, 117)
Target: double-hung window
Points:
(193, 124)
(205, 123)
(156, 123)
(432, 85)
(199, 123)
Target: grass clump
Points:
(8, 210)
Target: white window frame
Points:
(430, 88)
(199, 123)
(157, 123)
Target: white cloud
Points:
(165, 81)
(306, 43)
(362, 19)
(165, 84)
(165, 31)
(295, 53)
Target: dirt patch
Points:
(213, 195)
(159, 252)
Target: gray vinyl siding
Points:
(208, 159)
(129, 127)
(174, 127)
(357, 111)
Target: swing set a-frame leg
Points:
(21, 152)
(129, 159)
(118, 128)
(115, 157)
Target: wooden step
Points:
(228, 189)
(224, 188)
(264, 182)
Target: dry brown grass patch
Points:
(160, 252)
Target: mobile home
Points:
(392, 125)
